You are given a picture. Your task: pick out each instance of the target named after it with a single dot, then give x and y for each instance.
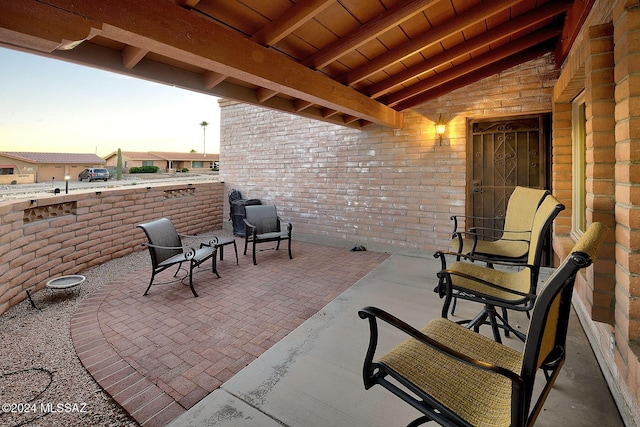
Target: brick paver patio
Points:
(157, 355)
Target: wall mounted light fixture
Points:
(440, 128)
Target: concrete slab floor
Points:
(313, 376)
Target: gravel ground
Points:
(42, 382)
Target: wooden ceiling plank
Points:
(131, 55)
(428, 38)
(497, 67)
(470, 66)
(507, 29)
(212, 79)
(193, 39)
(263, 94)
(291, 20)
(404, 10)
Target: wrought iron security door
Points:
(503, 154)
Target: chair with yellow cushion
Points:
(499, 287)
(513, 244)
(457, 377)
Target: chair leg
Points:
(246, 243)
(151, 282)
(506, 321)
(214, 266)
(179, 267)
(254, 253)
(289, 246)
(419, 421)
(235, 248)
(193, 290)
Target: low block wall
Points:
(59, 235)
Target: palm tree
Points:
(204, 125)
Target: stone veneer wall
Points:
(65, 234)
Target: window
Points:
(196, 164)
(147, 163)
(578, 144)
(6, 171)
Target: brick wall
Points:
(603, 63)
(387, 189)
(61, 235)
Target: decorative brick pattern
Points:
(178, 193)
(42, 213)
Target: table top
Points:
(65, 282)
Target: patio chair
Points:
(262, 224)
(499, 287)
(166, 250)
(457, 377)
(513, 244)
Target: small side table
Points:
(223, 241)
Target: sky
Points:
(48, 105)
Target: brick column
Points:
(627, 176)
(600, 164)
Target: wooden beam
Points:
(37, 26)
(470, 66)
(176, 33)
(110, 59)
(572, 26)
(301, 104)
(349, 119)
(382, 23)
(507, 29)
(328, 112)
(263, 94)
(429, 38)
(490, 70)
(188, 4)
(291, 20)
(131, 55)
(212, 79)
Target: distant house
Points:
(28, 167)
(166, 161)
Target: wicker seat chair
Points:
(166, 250)
(514, 290)
(457, 377)
(262, 224)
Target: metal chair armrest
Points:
(373, 313)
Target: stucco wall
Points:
(59, 235)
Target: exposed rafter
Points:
(483, 61)
(287, 23)
(464, 49)
(382, 23)
(427, 39)
(349, 62)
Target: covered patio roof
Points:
(348, 62)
